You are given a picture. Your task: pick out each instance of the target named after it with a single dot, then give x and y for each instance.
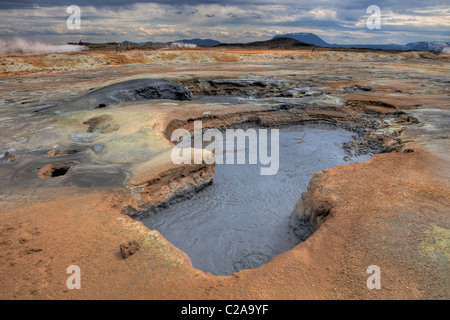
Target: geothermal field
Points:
(88, 177)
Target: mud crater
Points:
(243, 220)
(56, 170)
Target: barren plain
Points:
(75, 170)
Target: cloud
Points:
(228, 21)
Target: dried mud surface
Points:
(72, 175)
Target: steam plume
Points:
(23, 46)
(183, 45)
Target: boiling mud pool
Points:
(243, 220)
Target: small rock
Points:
(358, 88)
(83, 137)
(7, 157)
(365, 88)
(101, 124)
(284, 106)
(98, 148)
(129, 248)
(129, 211)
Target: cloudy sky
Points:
(341, 21)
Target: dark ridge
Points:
(277, 43)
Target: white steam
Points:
(183, 45)
(23, 46)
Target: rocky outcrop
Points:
(377, 123)
(128, 249)
(7, 157)
(257, 87)
(140, 89)
(314, 206)
(160, 182)
(131, 90)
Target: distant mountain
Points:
(201, 42)
(140, 43)
(296, 40)
(129, 42)
(277, 43)
(391, 46)
(150, 42)
(436, 46)
(309, 38)
(313, 39)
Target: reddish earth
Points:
(380, 213)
